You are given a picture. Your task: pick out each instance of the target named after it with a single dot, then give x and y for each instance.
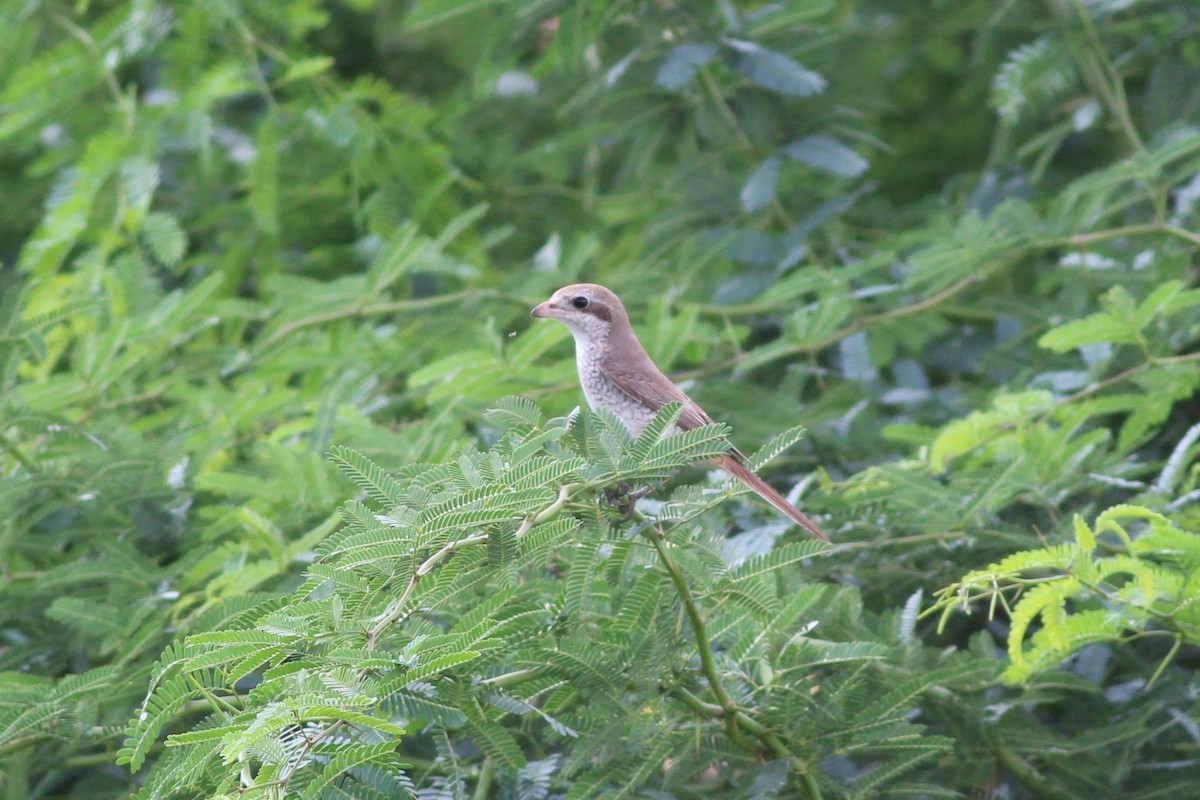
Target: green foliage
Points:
(272, 520)
(1081, 595)
(406, 621)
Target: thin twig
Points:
(487, 775)
(397, 608)
(85, 38)
(736, 719)
(17, 453)
(308, 746)
(376, 309)
(1084, 239)
(515, 678)
(1126, 374)
(1028, 774)
(703, 644)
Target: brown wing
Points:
(643, 381)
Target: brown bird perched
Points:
(616, 374)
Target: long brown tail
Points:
(764, 490)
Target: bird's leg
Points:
(624, 499)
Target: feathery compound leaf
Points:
(514, 705)
(438, 665)
(183, 309)
(929, 747)
(487, 505)
(330, 712)
(255, 637)
(652, 754)
(661, 426)
(584, 567)
(538, 546)
(756, 597)
(1073, 632)
(164, 238)
(1093, 329)
(778, 444)
(362, 520)
(158, 709)
(782, 556)
(343, 577)
(1034, 75)
(413, 705)
(369, 476)
(678, 450)
(20, 328)
(383, 552)
(382, 756)
(41, 711)
(535, 471)
(184, 768)
(494, 740)
(1007, 417)
(515, 412)
(235, 657)
(640, 603)
(808, 653)
(262, 734)
(502, 547)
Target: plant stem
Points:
(1099, 72)
(736, 720)
(1166, 661)
(376, 309)
(515, 678)
(396, 610)
(696, 704)
(1028, 774)
(15, 449)
(299, 760)
(1083, 239)
(707, 663)
(487, 774)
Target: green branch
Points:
(487, 776)
(396, 611)
(378, 309)
(1028, 775)
(17, 453)
(1084, 239)
(736, 719)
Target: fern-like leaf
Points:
(369, 476)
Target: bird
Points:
(616, 373)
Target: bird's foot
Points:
(624, 499)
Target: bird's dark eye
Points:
(580, 303)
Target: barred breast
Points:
(601, 392)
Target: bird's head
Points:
(587, 309)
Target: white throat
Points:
(589, 338)
(590, 344)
